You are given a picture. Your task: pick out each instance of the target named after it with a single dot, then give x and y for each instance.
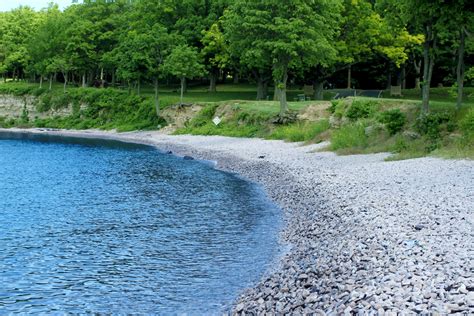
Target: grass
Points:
(301, 131)
(351, 136)
(356, 125)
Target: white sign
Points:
(216, 120)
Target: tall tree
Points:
(462, 21)
(215, 53)
(294, 34)
(18, 26)
(427, 17)
(184, 62)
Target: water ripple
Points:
(91, 226)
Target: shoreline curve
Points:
(366, 235)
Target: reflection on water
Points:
(107, 227)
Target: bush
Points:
(360, 109)
(205, 116)
(25, 115)
(340, 108)
(332, 108)
(467, 123)
(394, 120)
(431, 124)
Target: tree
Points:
(184, 62)
(293, 34)
(462, 19)
(359, 34)
(18, 26)
(47, 47)
(427, 17)
(215, 53)
(160, 45)
(132, 62)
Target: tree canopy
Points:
(266, 42)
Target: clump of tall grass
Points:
(349, 136)
(301, 131)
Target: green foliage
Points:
(240, 124)
(288, 35)
(205, 116)
(349, 136)
(467, 123)
(394, 120)
(184, 62)
(19, 89)
(106, 109)
(360, 109)
(332, 108)
(24, 115)
(299, 132)
(432, 124)
(6, 122)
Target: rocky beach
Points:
(362, 235)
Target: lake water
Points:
(89, 226)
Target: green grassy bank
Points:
(353, 125)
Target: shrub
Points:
(340, 108)
(467, 123)
(333, 106)
(431, 124)
(394, 120)
(25, 115)
(205, 116)
(361, 109)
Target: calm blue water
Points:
(107, 227)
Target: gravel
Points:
(364, 235)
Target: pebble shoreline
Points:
(366, 236)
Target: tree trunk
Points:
(389, 76)
(41, 81)
(282, 89)
(276, 92)
(428, 64)
(460, 68)
(318, 86)
(265, 89)
(157, 98)
(50, 82)
(84, 80)
(213, 80)
(260, 89)
(113, 78)
(349, 77)
(224, 76)
(65, 82)
(183, 84)
(101, 77)
(417, 66)
(403, 77)
(90, 79)
(236, 77)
